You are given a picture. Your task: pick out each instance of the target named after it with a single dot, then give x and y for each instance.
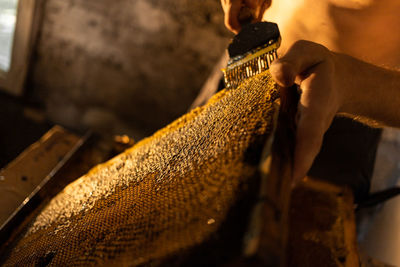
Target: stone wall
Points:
(124, 66)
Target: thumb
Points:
(299, 58)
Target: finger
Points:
(300, 57)
(231, 15)
(317, 108)
(262, 8)
(309, 138)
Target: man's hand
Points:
(332, 83)
(313, 68)
(237, 11)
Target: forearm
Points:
(372, 93)
(333, 83)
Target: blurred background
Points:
(113, 66)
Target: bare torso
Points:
(366, 29)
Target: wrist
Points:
(351, 84)
(368, 91)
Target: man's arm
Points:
(333, 83)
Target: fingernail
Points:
(283, 72)
(298, 181)
(295, 179)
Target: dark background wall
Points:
(124, 66)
